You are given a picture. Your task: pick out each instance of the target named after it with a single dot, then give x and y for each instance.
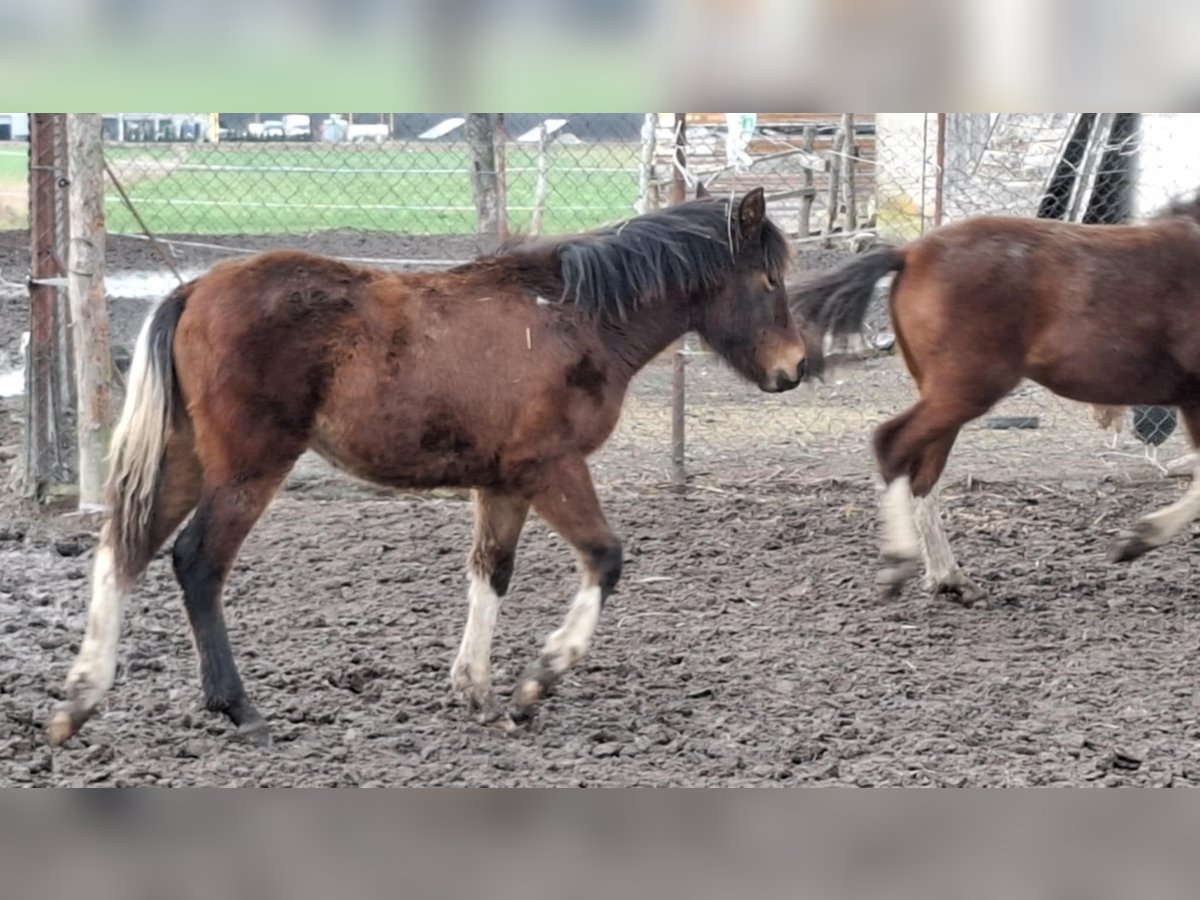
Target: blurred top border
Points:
(599, 55)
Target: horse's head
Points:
(747, 321)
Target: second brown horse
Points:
(1103, 314)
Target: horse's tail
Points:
(139, 441)
(127, 542)
(835, 302)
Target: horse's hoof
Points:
(62, 724)
(527, 695)
(531, 690)
(1133, 543)
(255, 733)
(960, 590)
(488, 712)
(893, 576)
(503, 721)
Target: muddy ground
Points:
(744, 646)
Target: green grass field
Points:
(14, 203)
(258, 188)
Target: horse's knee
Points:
(604, 561)
(502, 572)
(493, 565)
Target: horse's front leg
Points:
(499, 518)
(567, 501)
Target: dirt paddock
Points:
(744, 645)
(743, 648)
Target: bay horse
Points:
(501, 375)
(1103, 314)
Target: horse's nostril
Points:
(785, 380)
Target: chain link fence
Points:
(856, 179)
(402, 189)
(415, 175)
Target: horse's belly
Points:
(1118, 379)
(433, 453)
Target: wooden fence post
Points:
(542, 185)
(89, 312)
(835, 172)
(809, 192)
(47, 460)
(849, 151)
(939, 175)
(500, 152)
(481, 143)
(647, 188)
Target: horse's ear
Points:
(701, 191)
(752, 212)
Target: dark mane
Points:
(1187, 206)
(681, 249)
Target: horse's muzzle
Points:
(784, 379)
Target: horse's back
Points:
(413, 379)
(1098, 313)
(1015, 246)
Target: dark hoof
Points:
(531, 690)
(893, 576)
(64, 722)
(961, 591)
(526, 696)
(256, 733)
(505, 722)
(490, 714)
(1133, 543)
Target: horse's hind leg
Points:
(943, 576)
(499, 518)
(912, 450)
(1155, 529)
(203, 555)
(901, 545)
(95, 665)
(568, 503)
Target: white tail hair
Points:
(138, 447)
(139, 441)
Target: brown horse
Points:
(1102, 314)
(501, 375)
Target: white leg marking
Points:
(96, 664)
(899, 531)
(1167, 522)
(940, 564)
(472, 669)
(942, 572)
(568, 644)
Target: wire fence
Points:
(398, 188)
(902, 175)
(407, 174)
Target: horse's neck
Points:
(645, 333)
